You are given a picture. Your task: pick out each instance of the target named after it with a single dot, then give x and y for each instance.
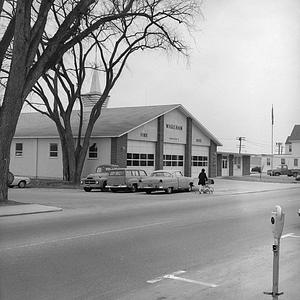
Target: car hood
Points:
(155, 178)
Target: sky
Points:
(244, 58)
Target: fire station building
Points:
(148, 137)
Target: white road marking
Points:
(85, 235)
(174, 277)
(292, 235)
(287, 235)
(191, 281)
(157, 279)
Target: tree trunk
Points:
(80, 159)
(65, 161)
(9, 114)
(13, 98)
(4, 162)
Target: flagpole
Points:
(272, 148)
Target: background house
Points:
(292, 144)
(291, 157)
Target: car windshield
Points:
(117, 173)
(100, 170)
(103, 169)
(161, 174)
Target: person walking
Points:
(202, 180)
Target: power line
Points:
(257, 143)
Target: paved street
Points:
(138, 246)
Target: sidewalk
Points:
(25, 209)
(241, 185)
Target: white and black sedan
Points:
(20, 181)
(166, 180)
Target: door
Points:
(225, 167)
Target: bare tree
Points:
(30, 45)
(151, 25)
(64, 84)
(37, 33)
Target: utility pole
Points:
(240, 139)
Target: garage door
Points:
(200, 157)
(141, 154)
(174, 156)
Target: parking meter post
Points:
(276, 248)
(277, 221)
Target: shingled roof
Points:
(295, 135)
(113, 122)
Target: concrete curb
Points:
(26, 209)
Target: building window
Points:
(93, 151)
(199, 161)
(53, 150)
(224, 162)
(140, 159)
(173, 160)
(268, 161)
(19, 149)
(283, 161)
(295, 162)
(290, 147)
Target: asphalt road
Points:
(127, 246)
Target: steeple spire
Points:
(91, 98)
(95, 84)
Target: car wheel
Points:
(87, 189)
(277, 174)
(22, 184)
(104, 186)
(295, 174)
(134, 188)
(148, 192)
(169, 190)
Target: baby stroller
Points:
(207, 188)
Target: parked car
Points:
(166, 180)
(256, 169)
(97, 180)
(20, 181)
(123, 179)
(283, 170)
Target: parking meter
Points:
(277, 221)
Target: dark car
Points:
(123, 179)
(256, 169)
(97, 180)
